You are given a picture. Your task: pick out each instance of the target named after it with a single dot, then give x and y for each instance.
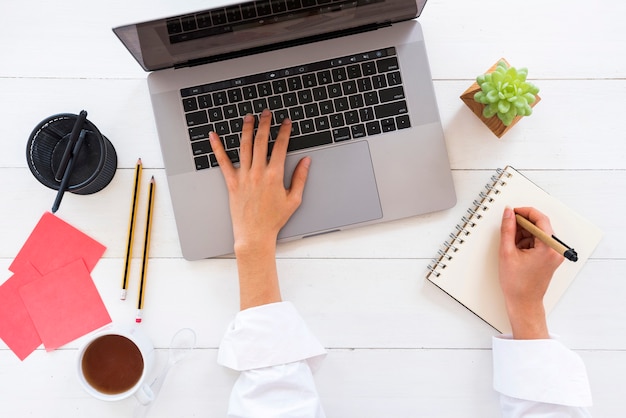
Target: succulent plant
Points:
(506, 93)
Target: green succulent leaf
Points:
(506, 93)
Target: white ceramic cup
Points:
(114, 362)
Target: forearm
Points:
(258, 277)
(528, 320)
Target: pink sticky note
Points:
(64, 305)
(55, 243)
(16, 327)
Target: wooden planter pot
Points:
(493, 123)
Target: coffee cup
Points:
(114, 364)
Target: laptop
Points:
(352, 75)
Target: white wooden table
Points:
(398, 346)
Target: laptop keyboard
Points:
(327, 101)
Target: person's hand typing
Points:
(525, 270)
(260, 205)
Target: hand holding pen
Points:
(526, 267)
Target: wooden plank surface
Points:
(398, 346)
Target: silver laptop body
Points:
(389, 163)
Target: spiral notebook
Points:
(467, 266)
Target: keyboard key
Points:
(334, 90)
(308, 141)
(391, 94)
(200, 132)
(204, 20)
(368, 68)
(354, 71)
(403, 122)
(341, 104)
(393, 79)
(230, 111)
(290, 99)
(390, 109)
(279, 86)
(388, 125)
(213, 160)
(236, 125)
(196, 118)
(201, 147)
(248, 11)
(364, 84)
(220, 98)
(319, 93)
(235, 95)
(370, 98)
(265, 89)
(339, 74)
(336, 120)
(326, 107)
(349, 87)
(294, 83)
(341, 134)
(218, 17)
(249, 92)
(358, 131)
(356, 101)
(294, 4)
(324, 77)
(263, 8)
(309, 80)
(205, 101)
(311, 110)
(231, 141)
(190, 104)
(202, 162)
(222, 128)
(215, 114)
(373, 128)
(296, 113)
(305, 96)
(387, 64)
(307, 126)
(275, 102)
(379, 81)
(322, 123)
(366, 114)
(259, 105)
(351, 117)
(279, 6)
(245, 108)
(174, 26)
(233, 14)
(280, 116)
(189, 23)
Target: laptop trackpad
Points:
(340, 190)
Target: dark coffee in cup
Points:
(112, 364)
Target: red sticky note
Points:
(55, 243)
(64, 305)
(17, 330)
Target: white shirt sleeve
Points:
(539, 378)
(276, 353)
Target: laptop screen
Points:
(224, 32)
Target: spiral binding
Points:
(464, 228)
